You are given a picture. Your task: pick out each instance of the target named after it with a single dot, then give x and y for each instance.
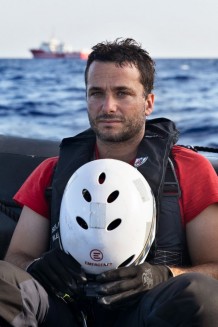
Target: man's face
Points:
(116, 101)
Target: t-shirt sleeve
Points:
(198, 182)
(32, 192)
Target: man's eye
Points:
(96, 94)
(122, 93)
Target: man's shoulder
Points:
(186, 152)
(190, 159)
(50, 161)
(48, 164)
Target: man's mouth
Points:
(108, 120)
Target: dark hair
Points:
(123, 51)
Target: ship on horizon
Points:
(54, 49)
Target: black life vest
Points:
(169, 246)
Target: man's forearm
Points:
(209, 269)
(19, 260)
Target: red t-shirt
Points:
(197, 178)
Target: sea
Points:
(45, 98)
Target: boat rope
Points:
(206, 149)
(197, 148)
(9, 212)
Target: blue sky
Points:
(166, 28)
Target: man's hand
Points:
(58, 273)
(123, 286)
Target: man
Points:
(180, 288)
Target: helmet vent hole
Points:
(127, 262)
(114, 224)
(113, 196)
(82, 222)
(86, 195)
(101, 178)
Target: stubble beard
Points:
(129, 131)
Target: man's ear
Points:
(149, 104)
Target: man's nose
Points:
(109, 104)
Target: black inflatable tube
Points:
(18, 157)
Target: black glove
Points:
(123, 286)
(58, 273)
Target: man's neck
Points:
(125, 151)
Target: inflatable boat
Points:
(18, 158)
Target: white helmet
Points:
(107, 216)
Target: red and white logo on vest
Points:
(140, 161)
(96, 255)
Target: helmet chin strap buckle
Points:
(69, 300)
(65, 297)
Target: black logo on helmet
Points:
(96, 255)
